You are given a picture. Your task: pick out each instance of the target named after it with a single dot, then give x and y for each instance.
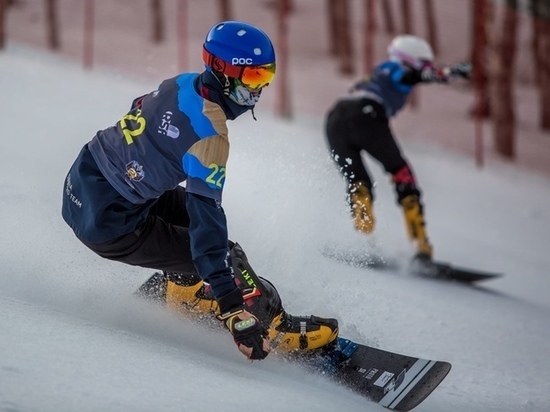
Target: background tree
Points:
(331, 6)
(408, 29)
(369, 34)
(387, 14)
(158, 20)
(406, 16)
(478, 45)
(88, 43)
(225, 10)
(534, 9)
(502, 80)
(283, 107)
(182, 30)
(431, 23)
(540, 11)
(52, 24)
(3, 7)
(341, 41)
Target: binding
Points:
(188, 294)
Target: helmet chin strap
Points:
(224, 82)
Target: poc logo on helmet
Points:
(241, 60)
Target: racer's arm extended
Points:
(432, 74)
(209, 243)
(210, 251)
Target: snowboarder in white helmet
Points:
(411, 50)
(360, 122)
(122, 196)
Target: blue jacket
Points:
(389, 84)
(171, 135)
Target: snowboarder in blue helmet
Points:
(122, 196)
(359, 122)
(243, 60)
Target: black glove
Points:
(463, 70)
(249, 335)
(248, 332)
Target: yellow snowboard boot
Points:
(293, 334)
(180, 292)
(194, 298)
(361, 207)
(416, 227)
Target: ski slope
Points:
(73, 338)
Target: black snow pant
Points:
(353, 126)
(162, 242)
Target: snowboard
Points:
(424, 268)
(394, 381)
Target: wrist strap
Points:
(224, 316)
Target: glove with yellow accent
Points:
(248, 332)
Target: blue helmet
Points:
(236, 43)
(244, 56)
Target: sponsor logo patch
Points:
(166, 128)
(134, 171)
(241, 60)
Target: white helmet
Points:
(411, 50)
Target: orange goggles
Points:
(253, 77)
(256, 77)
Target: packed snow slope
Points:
(73, 338)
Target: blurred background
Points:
(323, 46)
(71, 331)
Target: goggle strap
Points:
(221, 66)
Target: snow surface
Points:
(72, 337)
